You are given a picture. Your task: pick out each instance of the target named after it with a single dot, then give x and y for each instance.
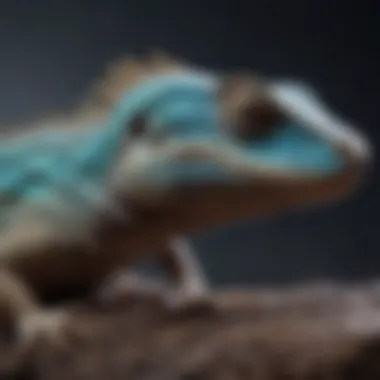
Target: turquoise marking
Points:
(38, 166)
(298, 149)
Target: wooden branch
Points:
(312, 331)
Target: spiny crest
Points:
(121, 75)
(124, 74)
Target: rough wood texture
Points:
(312, 331)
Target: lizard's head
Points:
(232, 146)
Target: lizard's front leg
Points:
(190, 288)
(180, 263)
(23, 245)
(21, 312)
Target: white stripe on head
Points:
(301, 102)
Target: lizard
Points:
(173, 149)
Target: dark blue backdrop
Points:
(50, 51)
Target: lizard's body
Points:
(184, 172)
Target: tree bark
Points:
(309, 331)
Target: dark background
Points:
(50, 51)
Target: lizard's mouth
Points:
(313, 147)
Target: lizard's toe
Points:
(49, 325)
(129, 287)
(183, 303)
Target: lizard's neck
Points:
(145, 235)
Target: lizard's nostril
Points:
(358, 154)
(365, 151)
(359, 150)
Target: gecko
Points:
(172, 150)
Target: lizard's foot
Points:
(191, 298)
(132, 286)
(192, 289)
(46, 324)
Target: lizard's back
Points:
(43, 175)
(39, 168)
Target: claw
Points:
(133, 286)
(45, 324)
(128, 286)
(188, 303)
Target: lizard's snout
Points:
(358, 154)
(301, 102)
(357, 150)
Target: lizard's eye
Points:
(138, 126)
(141, 127)
(249, 112)
(256, 119)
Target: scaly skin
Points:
(182, 150)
